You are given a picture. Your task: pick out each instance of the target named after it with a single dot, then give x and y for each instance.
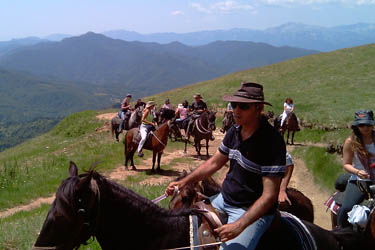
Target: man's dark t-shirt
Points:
(263, 154)
(198, 105)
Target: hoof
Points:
(134, 168)
(126, 168)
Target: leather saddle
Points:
(286, 229)
(137, 138)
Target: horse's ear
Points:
(73, 170)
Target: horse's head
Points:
(211, 120)
(72, 217)
(193, 193)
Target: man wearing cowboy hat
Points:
(197, 107)
(146, 125)
(250, 190)
(125, 111)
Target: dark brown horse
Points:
(301, 207)
(290, 125)
(202, 128)
(133, 122)
(228, 121)
(89, 205)
(156, 142)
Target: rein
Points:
(158, 139)
(198, 122)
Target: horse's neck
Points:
(137, 223)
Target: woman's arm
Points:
(144, 116)
(348, 155)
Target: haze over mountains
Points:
(290, 34)
(140, 68)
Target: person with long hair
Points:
(146, 126)
(288, 108)
(358, 160)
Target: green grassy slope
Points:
(326, 88)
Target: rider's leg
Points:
(143, 131)
(283, 117)
(352, 197)
(250, 237)
(122, 118)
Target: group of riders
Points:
(185, 116)
(258, 163)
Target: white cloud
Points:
(177, 12)
(223, 7)
(310, 2)
(229, 6)
(200, 8)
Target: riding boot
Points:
(140, 153)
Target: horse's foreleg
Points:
(207, 148)
(293, 137)
(159, 158)
(287, 137)
(153, 160)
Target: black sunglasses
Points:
(241, 105)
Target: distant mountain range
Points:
(290, 34)
(141, 68)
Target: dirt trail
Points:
(302, 179)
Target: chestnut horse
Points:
(156, 142)
(90, 205)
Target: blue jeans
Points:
(249, 237)
(352, 197)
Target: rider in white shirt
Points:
(288, 108)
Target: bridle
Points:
(90, 226)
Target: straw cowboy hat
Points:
(197, 95)
(150, 103)
(249, 92)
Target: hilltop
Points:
(326, 88)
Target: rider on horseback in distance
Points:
(256, 152)
(146, 125)
(288, 108)
(198, 107)
(125, 111)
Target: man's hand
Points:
(171, 188)
(229, 231)
(283, 197)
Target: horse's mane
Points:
(143, 205)
(350, 239)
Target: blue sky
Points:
(22, 18)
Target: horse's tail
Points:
(112, 128)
